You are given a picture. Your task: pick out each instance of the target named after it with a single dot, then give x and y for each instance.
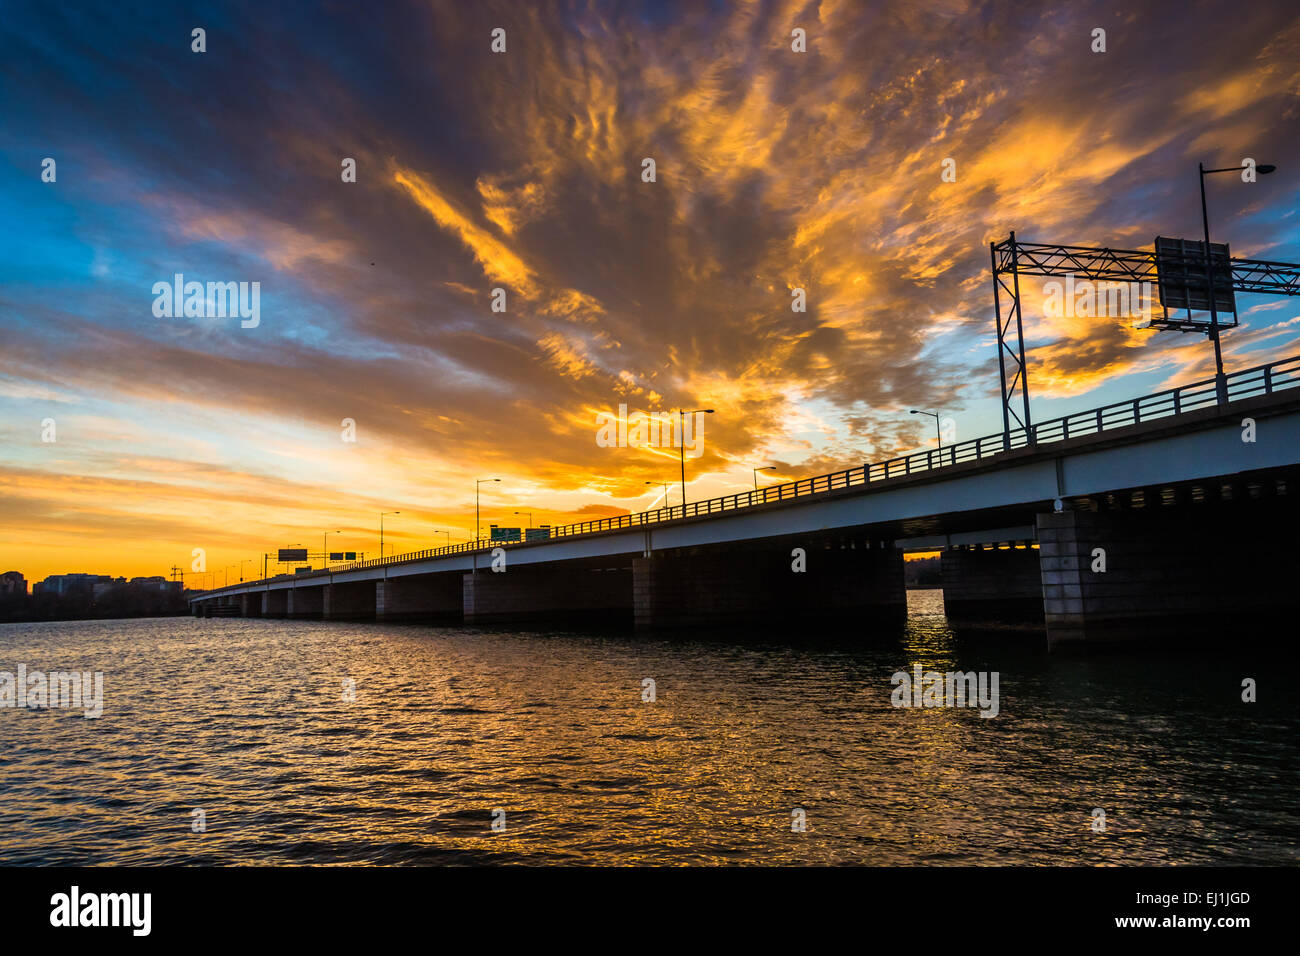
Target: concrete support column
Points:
(348, 602)
(556, 593)
(983, 586)
(250, 605)
(424, 597)
(863, 586)
(306, 602)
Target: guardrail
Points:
(1247, 383)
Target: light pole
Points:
(665, 487)
(381, 531)
(935, 415)
(478, 525)
(1220, 380)
(681, 444)
(448, 534)
(530, 517)
(242, 562)
(761, 468)
(327, 546)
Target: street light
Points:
(530, 516)
(478, 525)
(327, 546)
(762, 468)
(448, 534)
(242, 562)
(1220, 380)
(681, 444)
(381, 530)
(665, 487)
(935, 415)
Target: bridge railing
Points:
(1247, 383)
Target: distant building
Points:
(65, 583)
(12, 584)
(106, 583)
(153, 583)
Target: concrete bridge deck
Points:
(1167, 486)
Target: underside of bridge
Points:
(807, 579)
(306, 602)
(573, 592)
(275, 603)
(352, 601)
(433, 598)
(796, 581)
(1177, 561)
(1212, 557)
(992, 584)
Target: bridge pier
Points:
(351, 601)
(1192, 571)
(250, 605)
(305, 602)
(721, 588)
(558, 593)
(987, 585)
(223, 606)
(423, 597)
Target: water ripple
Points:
(449, 728)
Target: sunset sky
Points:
(523, 170)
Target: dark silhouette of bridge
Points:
(1154, 516)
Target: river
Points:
(549, 735)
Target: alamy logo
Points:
(952, 689)
(75, 908)
(1088, 299)
(651, 430)
(216, 300)
(38, 691)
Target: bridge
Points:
(1155, 516)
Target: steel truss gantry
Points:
(1011, 259)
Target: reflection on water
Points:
(246, 720)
